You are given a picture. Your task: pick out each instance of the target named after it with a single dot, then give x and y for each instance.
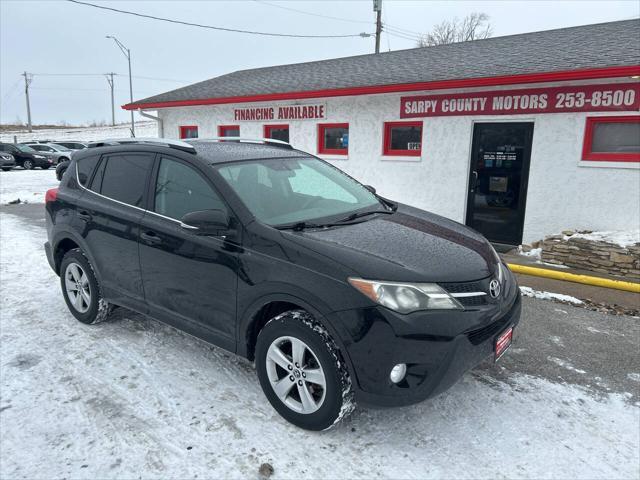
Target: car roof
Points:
(206, 151)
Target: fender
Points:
(64, 234)
(317, 307)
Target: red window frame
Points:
(331, 151)
(268, 128)
(223, 128)
(386, 145)
(589, 156)
(184, 128)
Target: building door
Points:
(498, 178)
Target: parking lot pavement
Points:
(134, 398)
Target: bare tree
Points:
(472, 27)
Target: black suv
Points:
(25, 156)
(338, 294)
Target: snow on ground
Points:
(622, 238)
(530, 292)
(534, 253)
(86, 134)
(27, 185)
(134, 398)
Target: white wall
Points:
(563, 192)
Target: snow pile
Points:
(27, 185)
(530, 292)
(534, 253)
(622, 238)
(83, 134)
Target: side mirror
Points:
(206, 222)
(370, 188)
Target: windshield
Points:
(24, 148)
(291, 190)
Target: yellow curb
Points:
(572, 277)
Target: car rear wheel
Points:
(28, 165)
(81, 290)
(302, 372)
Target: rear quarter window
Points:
(85, 167)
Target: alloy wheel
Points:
(77, 287)
(295, 375)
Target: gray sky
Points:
(56, 36)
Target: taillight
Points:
(51, 195)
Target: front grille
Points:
(468, 287)
(478, 336)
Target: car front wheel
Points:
(81, 290)
(302, 372)
(27, 165)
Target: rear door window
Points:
(124, 177)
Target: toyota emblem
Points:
(494, 288)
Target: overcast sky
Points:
(56, 37)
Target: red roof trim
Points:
(583, 74)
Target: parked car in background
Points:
(26, 157)
(7, 162)
(56, 152)
(72, 144)
(337, 294)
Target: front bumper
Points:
(438, 347)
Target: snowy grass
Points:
(27, 185)
(86, 134)
(134, 398)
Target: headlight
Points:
(500, 265)
(39, 156)
(406, 297)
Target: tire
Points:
(62, 159)
(324, 407)
(45, 167)
(76, 270)
(28, 165)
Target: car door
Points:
(108, 214)
(190, 280)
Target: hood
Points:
(410, 245)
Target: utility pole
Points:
(377, 7)
(113, 109)
(27, 81)
(127, 53)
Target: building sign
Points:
(585, 98)
(280, 112)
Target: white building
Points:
(519, 137)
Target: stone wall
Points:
(595, 255)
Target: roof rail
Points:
(163, 142)
(268, 141)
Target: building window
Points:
(612, 139)
(190, 131)
(333, 138)
(277, 132)
(229, 131)
(403, 138)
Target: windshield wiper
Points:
(353, 216)
(299, 226)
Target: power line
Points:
(102, 74)
(211, 27)
(313, 14)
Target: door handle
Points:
(151, 238)
(84, 215)
(474, 181)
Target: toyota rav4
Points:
(338, 294)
